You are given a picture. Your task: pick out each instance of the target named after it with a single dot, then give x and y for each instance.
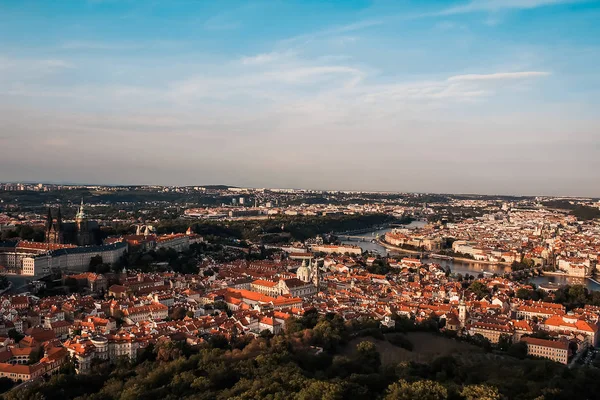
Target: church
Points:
(81, 232)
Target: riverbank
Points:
(395, 248)
(554, 273)
(468, 266)
(460, 259)
(470, 260)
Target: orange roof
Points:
(563, 345)
(18, 351)
(522, 325)
(247, 294)
(20, 369)
(581, 325)
(42, 246)
(260, 282)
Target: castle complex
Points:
(80, 232)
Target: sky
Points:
(472, 96)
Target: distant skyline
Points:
(481, 96)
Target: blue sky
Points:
(482, 96)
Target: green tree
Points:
(15, 335)
(266, 334)
(71, 283)
(479, 289)
(368, 356)
(419, 390)
(293, 325)
(504, 342)
(327, 335)
(319, 390)
(481, 341)
(480, 392)
(518, 350)
(95, 262)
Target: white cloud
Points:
(97, 45)
(498, 76)
(498, 5)
(266, 58)
(20, 65)
(304, 39)
(313, 73)
(56, 64)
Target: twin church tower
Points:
(81, 232)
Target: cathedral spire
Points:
(49, 218)
(80, 213)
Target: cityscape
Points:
(299, 200)
(101, 275)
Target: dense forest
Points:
(292, 366)
(584, 213)
(272, 230)
(281, 228)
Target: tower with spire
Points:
(79, 231)
(314, 270)
(462, 312)
(83, 232)
(54, 228)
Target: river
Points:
(471, 268)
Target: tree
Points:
(293, 325)
(15, 335)
(327, 334)
(5, 384)
(518, 350)
(368, 356)
(310, 318)
(36, 355)
(526, 294)
(480, 340)
(319, 390)
(504, 342)
(479, 289)
(95, 262)
(266, 334)
(72, 284)
(480, 392)
(419, 390)
(178, 313)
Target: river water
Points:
(471, 268)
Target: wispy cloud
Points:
(97, 45)
(304, 74)
(16, 70)
(56, 64)
(266, 58)
(498, 76)
(498, 5)
(303, 39)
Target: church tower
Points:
(315, 274)
(54, 228)
(462, 312)
(83, 232)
